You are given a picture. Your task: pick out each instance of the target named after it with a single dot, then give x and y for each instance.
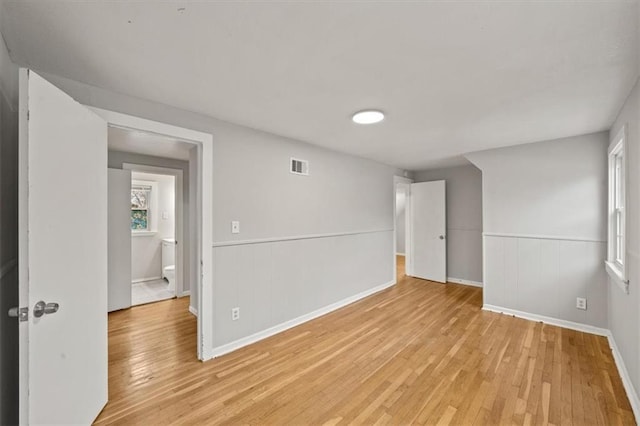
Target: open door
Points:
(62, 258)
(428, 231)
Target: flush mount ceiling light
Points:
(369, 116)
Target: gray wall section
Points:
(554, 188)
(252, 184)
(544, 208)
(8, 238)
(464, 219)
(624, 315)
(117, 159)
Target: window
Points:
(616, 249)
(140, 202)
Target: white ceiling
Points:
(453, 77)
(148, 144)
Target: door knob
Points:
(442, 237)
(42, 308)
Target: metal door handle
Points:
(42, 308)
(442, 237)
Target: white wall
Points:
(8, 237)
(251, 183)
(401, 221)
(464, 219)
(146, 250)
(624, 312)
(544, 214)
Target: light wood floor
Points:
(419, 352)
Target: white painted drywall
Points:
(544, 213)
(8, 237)
(401, 221)
(119, 240)
(252, 184)
(624, 315)
(464, 219)
(146, 250)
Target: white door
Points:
(119, 248)
(63, 256)
(428, 231)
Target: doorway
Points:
(402, 226)
(156, 221)
(200, 216)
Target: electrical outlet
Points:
(581, 303)
(235, 227)
(235, 314)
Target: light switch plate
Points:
(235, 227)
(165, 215)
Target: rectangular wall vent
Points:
(299, 167)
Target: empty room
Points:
(319, 212)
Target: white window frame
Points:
(616, 247)
(152, 209)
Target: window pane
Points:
(619, 256)
(139, 198)
(139, 220)
(618, 185)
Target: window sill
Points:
(143, 233)
(617, 276)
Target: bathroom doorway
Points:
(154, 222)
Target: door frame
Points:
(178, 214)
(405, 183)
(204, 212)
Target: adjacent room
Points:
(353, 212)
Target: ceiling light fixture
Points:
(369, 116)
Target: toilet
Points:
(169, 273)
(169, 262)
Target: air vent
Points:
(299, 167)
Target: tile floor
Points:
(150, 291)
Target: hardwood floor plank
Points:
(417, 353)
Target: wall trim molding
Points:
(185, 293)
(237, 344)
(8, 267)
(295, 237)
(193, 311)
(543, 237)
(586, 328)
(624, 375)
(142, 280)
(400, 254)
(465, 282)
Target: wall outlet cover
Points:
(581, 303)
(235, 227)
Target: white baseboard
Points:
(548, 320)
(400, 254)
(237, 344)
(626, 379)
(185, 293)
(142, 280)
(193, 310)
(465, 282)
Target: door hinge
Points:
(21, 313)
